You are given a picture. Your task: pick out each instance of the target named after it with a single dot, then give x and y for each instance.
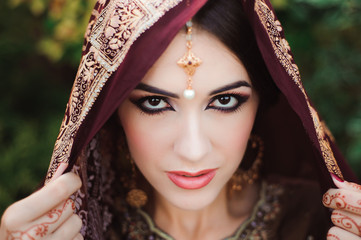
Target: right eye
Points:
(153, 104)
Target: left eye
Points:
(224, 101)
(227, 102)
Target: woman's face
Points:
(189, 149)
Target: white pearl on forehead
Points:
(189, 93)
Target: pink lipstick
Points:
(188, 180)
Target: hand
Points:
(46, 214)
(346, 216)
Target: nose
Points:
(192, 143)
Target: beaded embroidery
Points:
(114, 28)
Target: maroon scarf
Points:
(123, 40)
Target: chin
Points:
(192, 200)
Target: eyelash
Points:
(240, 98)
(139, 103)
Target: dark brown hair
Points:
(227, 21)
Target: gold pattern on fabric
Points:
(327, 131)
(109, 36)
(266, 211)
(120, 24)
(282, 51)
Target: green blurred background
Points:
(40, 48)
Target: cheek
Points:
(234, 142)
(146, 138)
(233, 135)
(139, 139)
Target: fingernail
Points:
(59, 171)
(336, 177)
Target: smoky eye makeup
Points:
(153, 104)
(227, 102)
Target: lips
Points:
(188, 180)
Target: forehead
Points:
(219, 65)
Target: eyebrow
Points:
(230, 86)
(151, 89)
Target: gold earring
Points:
(189, 62)
(135, 197)
(242, 177)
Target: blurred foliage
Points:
(63, 24)
(324, 36)
(40, 48)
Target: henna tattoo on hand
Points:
(41, 229)
(331, 236)
(354, 186)
(346, 223)
(336, 199)
(339, 201)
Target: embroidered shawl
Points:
(123, 40)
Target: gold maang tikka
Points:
(189, 62)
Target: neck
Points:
(215, 221)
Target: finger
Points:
(59, 171)
(336, 233)
(345, 185)
(69, 229)
(348, 221)
(343, 199)
(57, 216)
(44, 200)
(46, 224)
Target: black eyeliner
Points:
(239, 97)
(140, 101)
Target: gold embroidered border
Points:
(111, 35)
(282, 51)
